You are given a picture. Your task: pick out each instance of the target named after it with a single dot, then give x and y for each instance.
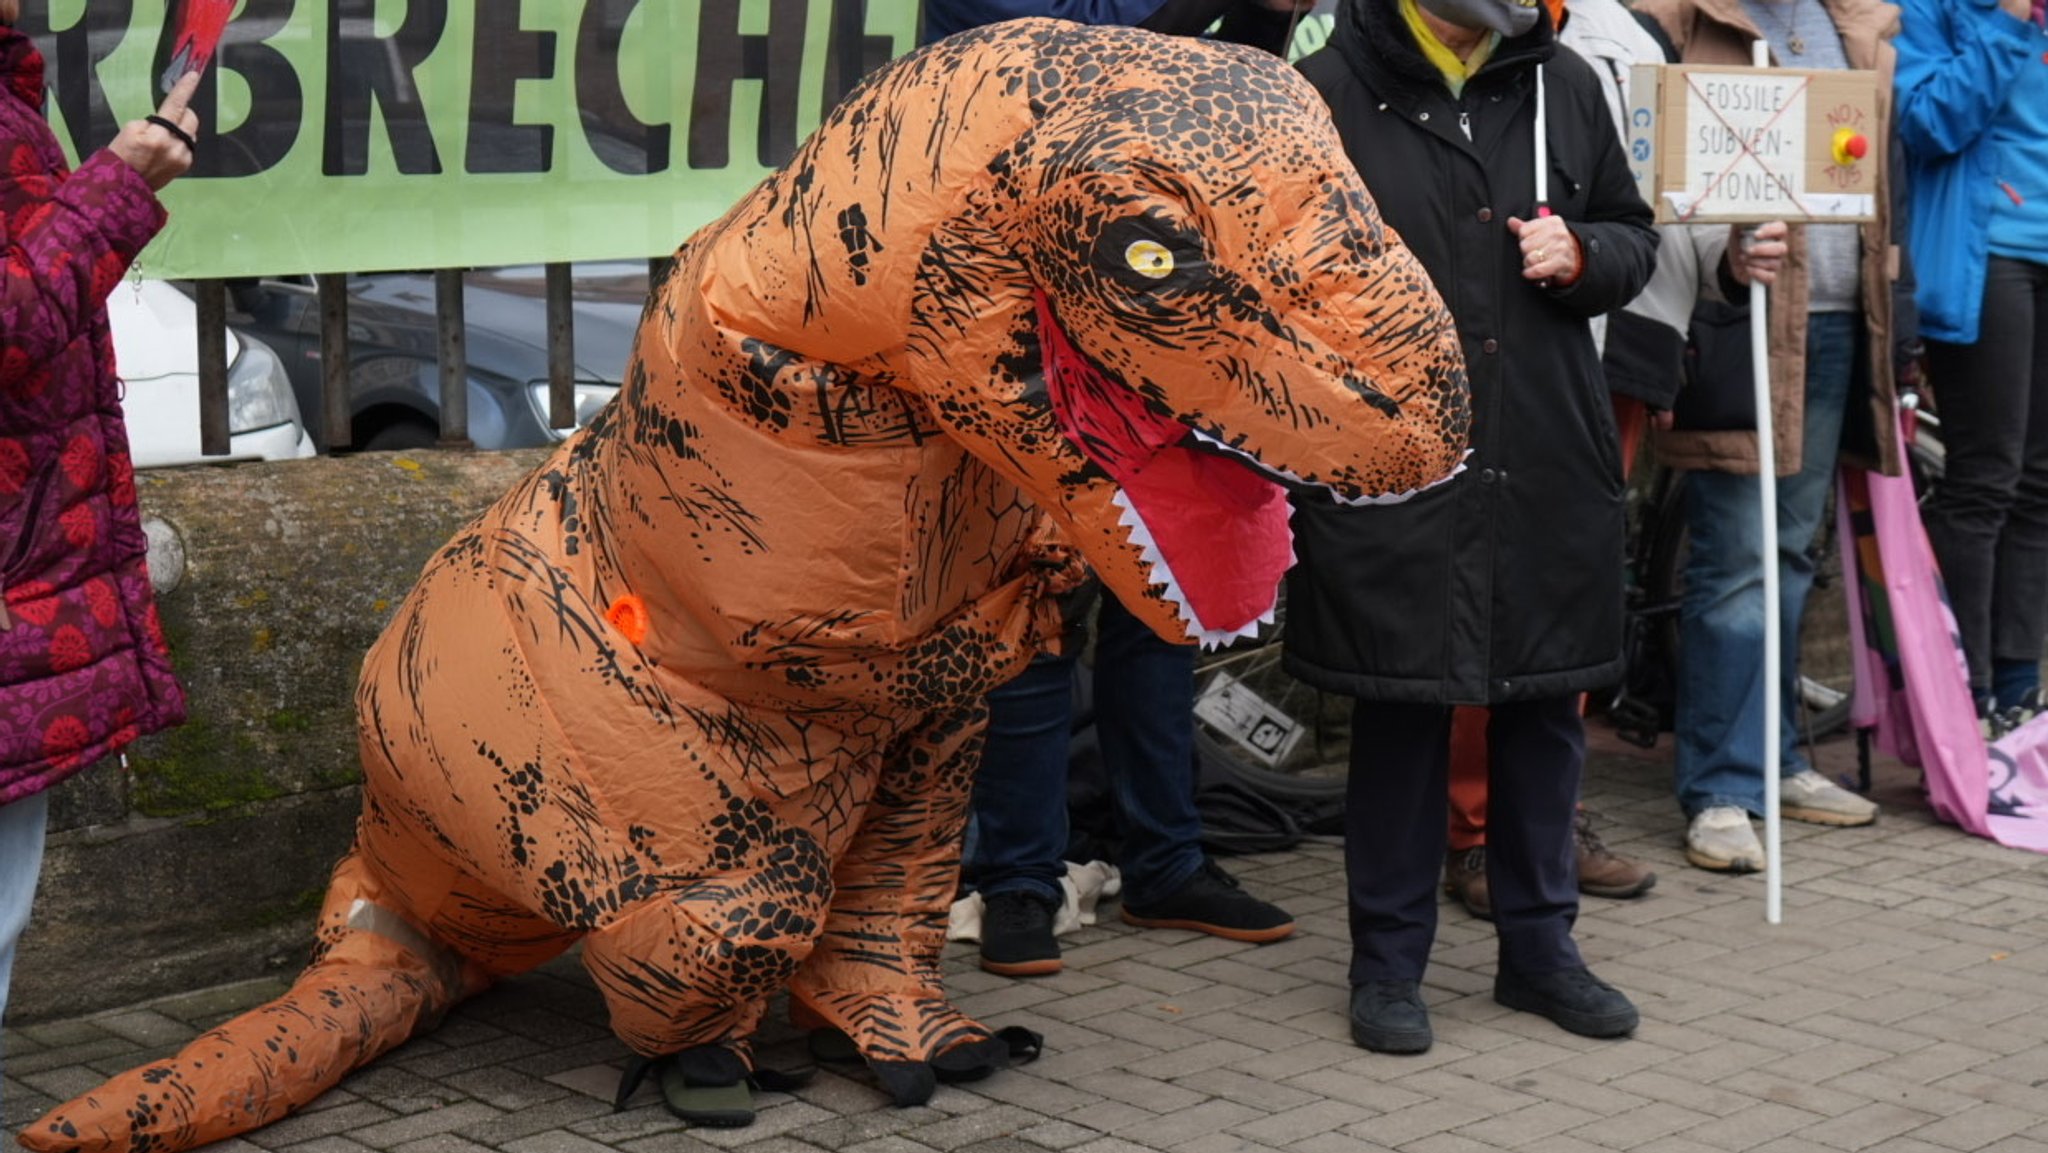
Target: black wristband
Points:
(174, 130)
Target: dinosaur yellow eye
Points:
(1149, 258)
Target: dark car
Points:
(394, 349)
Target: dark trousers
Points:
(1144, 714)
(1988, 518)
(1394, 833)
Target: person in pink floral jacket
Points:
(83, 666)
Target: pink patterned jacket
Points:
(83, 665)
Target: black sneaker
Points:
(1574, 999)
(1016, 935)
(1389, 1017)
(1211, 902)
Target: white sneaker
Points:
(1720, 839)
(1808, 796)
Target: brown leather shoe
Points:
(1604, 874)
(1465, 879)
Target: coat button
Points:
(1485, 214)
(1486, 476)
(1424, 116)
(1503, 685)
(1489, 346)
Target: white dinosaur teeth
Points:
(1370, 499)
(1162, 573)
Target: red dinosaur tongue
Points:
(1212, 530)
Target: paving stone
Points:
(615, 1129)
(439, 1143)
(597, 1081)
(334, 1144)
(771, 1121)
(878, 1145)
(985, 1125)
(495, 1127)
(63, 1082)
(1977, 1128)
(495, 1050)
(1231, 1085)
(1868, 1126)
(1513, 1130)
(350, 1118)
(1336, 1143)
(1399, 1127)
(1637, 1126)
(503, 1088)
(471, 1119)
(1756, 1123)
(147, 1027)
(860, 1128)
(1056, 1135)
(98, 1046)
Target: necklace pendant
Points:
(1796, 43)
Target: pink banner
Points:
(1912, 683)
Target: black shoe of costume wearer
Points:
(1016, 935)
(1574, 999)
(1211, 902)
(1389, 1017)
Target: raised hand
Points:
(160, 146)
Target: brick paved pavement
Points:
(1902, 1006)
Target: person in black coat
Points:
(1504, 586)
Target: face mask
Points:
(1510, 18)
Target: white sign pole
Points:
(1767, 498)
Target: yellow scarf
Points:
(1455, 71)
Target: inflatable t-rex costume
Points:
(704, 692)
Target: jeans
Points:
(1144, 714)
(21, 861)
(1720, 721)
(1988, 518)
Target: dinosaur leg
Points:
(697, 965)
(376, 979)
(875, 975)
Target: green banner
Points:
(365, 135)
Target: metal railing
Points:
(337, 413)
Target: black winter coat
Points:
(1505, 583)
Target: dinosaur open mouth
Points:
(1210, 527)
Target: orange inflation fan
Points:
(1018, 301)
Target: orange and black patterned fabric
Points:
(704, 692)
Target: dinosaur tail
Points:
(374, 982)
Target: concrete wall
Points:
(204, 859)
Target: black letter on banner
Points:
(361, 68)
(73, 72)
(276, 104)
(725, 57)
(620, 139)
(850, 52)
(504, 56)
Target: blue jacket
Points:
(1960, 62)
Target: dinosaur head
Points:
(1168, 302)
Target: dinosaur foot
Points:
(707, 1085)
(914, 1082)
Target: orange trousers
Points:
(1468, 722)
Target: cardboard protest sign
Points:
(1739, 145)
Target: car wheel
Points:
(402, 434)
